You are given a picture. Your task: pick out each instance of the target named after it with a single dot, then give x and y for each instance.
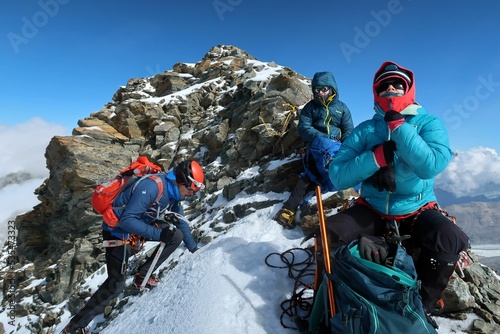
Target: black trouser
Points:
(298, 194)
(439, 240)
(115, 282)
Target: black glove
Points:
(373, 248)
(167, 233)
(387, 148)
(171, 218)
(384, 179)
(393, 119)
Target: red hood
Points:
(396, 103)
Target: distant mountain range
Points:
(477, 216)
(446, 198)
(14, 178)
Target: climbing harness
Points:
(136, 245)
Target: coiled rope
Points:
(303, 273)
(285, 124)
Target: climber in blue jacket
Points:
(324, 116)
(137, 216)
(143, 216)
(396, 156)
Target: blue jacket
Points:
(137, 215)
(422, 153)
(331, 119)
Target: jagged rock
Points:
(458, 296)
(308, 216)
(98, 129)
(49, 319)
(487, 328)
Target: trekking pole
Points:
(326, 249)
(153, 264)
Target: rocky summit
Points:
(230, 112)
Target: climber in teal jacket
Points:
(422, 153)
(396, 156)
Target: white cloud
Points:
(23, 146)
(471, 173)
(16, 199)
(22, 149)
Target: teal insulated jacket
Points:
(331, 119)
(422, 153)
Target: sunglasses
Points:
(397, 84)
(322, 89)
(195, 185)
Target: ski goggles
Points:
(195, 185)
(396, 83)
(321, 89)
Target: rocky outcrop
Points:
(229, 111)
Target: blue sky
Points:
(63, 59)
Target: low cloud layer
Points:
(22, 149)
(23, 146)
(472, 173)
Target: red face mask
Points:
(395, 101)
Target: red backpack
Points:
(105, 193)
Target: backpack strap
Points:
(159, 183)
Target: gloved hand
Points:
(373, 248)
(393, 119)
(171, 218)
(384, 178)
(384, 153)
(167, 233)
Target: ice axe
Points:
(326, 249)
